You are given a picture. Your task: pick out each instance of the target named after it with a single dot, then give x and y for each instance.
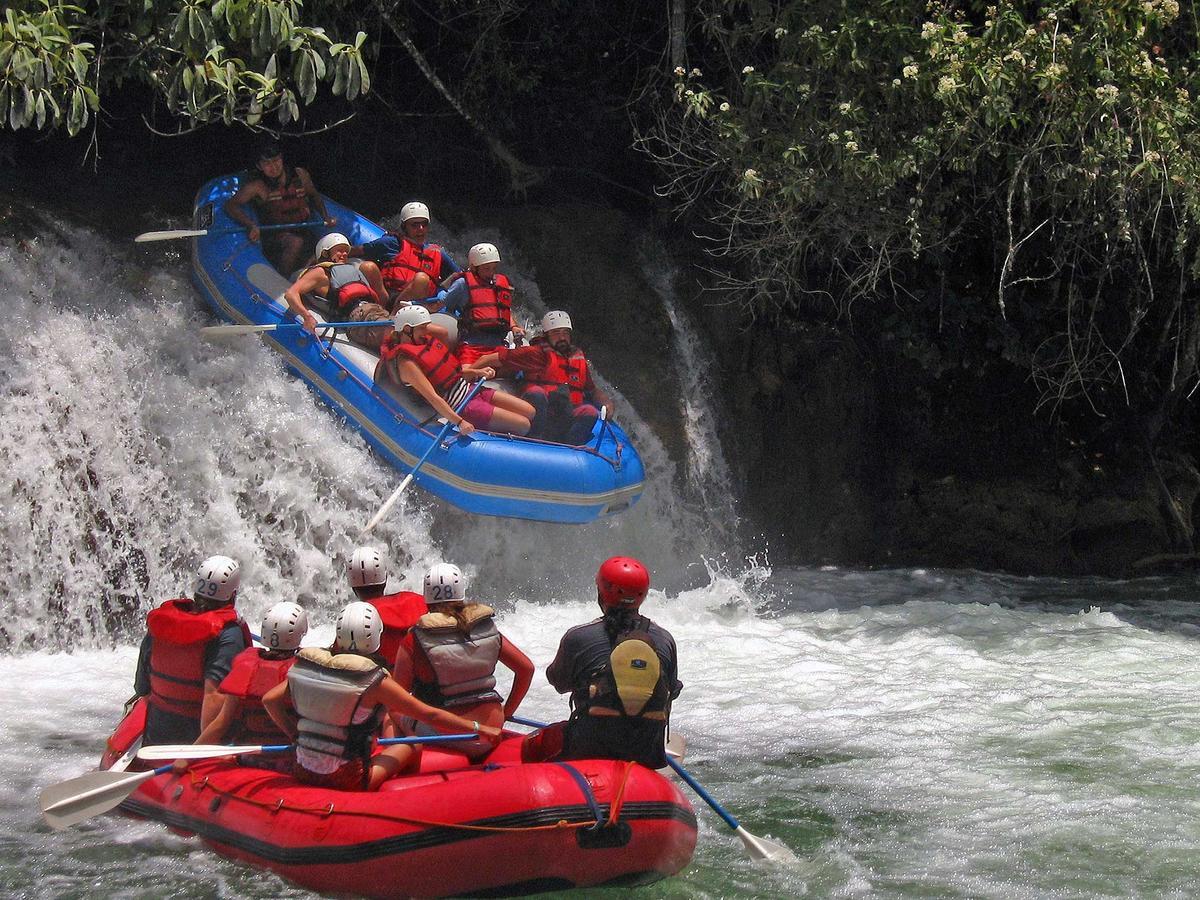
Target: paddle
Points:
(676, 743)
(231, 330)
(215, 232)
(214, 751)
(391, 501)
(756, 848)
(69, 802)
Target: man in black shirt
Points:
(621, 671)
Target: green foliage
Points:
(1038, 159)
(249, 61)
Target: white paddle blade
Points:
(388, 504)
(212, 331)
(764, 850)
(169, 752)
(676, 747)
(169, 235)
(70, 802)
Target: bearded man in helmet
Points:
(354, 293)
(399, 611)
(333, 702)
(557, 382)
(280, 194)
(412, 268)
(188, 650)
(621, 672)
(482, 299)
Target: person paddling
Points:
(333, 702)
(353, 292)
(620, 671)
(241, 718)
(416, 356)
(399, 611)
(189, 648)
(451, 661)
(482, 298)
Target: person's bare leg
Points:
(392, 762)
(514, 404)
(508, 422)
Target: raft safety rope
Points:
(200, 783)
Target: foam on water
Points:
(907, 733)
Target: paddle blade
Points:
(765, 850)
(389, 503)
(161, 752)
(170, 235)
(70, 802)
(219, 331)
(676, 746)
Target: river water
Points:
(907, 733)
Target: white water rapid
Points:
(907, 733)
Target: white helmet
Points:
(359, 628)
(218, 579)
(284, 626)
(411, 315)
(482, 254)
(444, 583)
(556, 318)
(414, 210)
(327, 243)
(366, 568)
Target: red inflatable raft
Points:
(498, 829)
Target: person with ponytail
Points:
(621, 672)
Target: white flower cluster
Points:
(680, 71)
(852, 146)
(1108, 93)
(748, 70)
(946, 86)
(780, 32)
(844, 108)
(724, 107)
(1153, 156)
(910, 71)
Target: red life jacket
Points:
(559, 370)
(348, 287)
(288, 203)
(399, 270)
(177, 653)
(252, 675)
(399, 613)
(489, 306)
(434, 358)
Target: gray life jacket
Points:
(327, 691)
(463, 661)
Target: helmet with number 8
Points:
(445, 583)
(284, 626)
(622, 583)
(359, 628)
(218, 579)
(366, 568)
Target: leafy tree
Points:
(251, 61)
(1028, 170)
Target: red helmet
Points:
(622, 583)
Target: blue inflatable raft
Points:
(487, 474)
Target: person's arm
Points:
(379, 250)
(450, 269)
(215, 731)
(278, 704)
(311, 280)
(411, 374)
(522, 669)
(235, 207)
(598, 397)
(141, 676)
(401, 702)
(454, 297)
(558, 673)
(315, 201)
(218, 660)
(476, 372)
(402, 671)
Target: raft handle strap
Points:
(578, 778)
